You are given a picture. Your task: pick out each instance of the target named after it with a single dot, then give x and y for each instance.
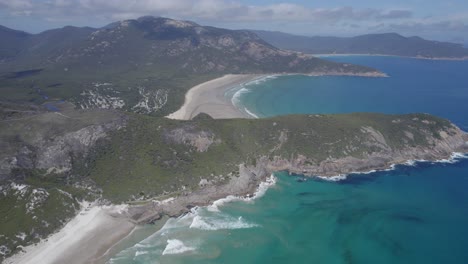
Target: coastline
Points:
(96, 230)
(84, 239)
(388, 55)
(209, 98)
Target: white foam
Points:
(336, 178)
(236, 96)
(250, 113)
(138, 253)
(262, 79)
(220, 222)
(175, 246)
(243, 89)
(263, 187)
(261, 190)
(454, 158)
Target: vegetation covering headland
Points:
(132, 158)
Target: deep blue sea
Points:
(413, 214)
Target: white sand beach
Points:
(209, 98)
(83, 240)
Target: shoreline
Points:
(263, 184)
(209, 97)
(81, 239)
(388, 55)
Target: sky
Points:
(445, 20)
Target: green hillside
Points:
(144, 65)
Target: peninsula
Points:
(391, 44)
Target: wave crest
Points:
(175, 246)
(219, 223)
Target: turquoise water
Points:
(413, 214)
(436, 87)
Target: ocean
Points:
(415, 213)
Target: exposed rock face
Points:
(189, 135)
(453, 140)
(53, 153)
(56, 155)
(249, 177)
(243, 184)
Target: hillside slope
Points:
(12, 42)
(144, 65)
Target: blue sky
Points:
(440, 20)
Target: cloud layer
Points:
(290, 17)
(218, 10)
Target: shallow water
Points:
(413, 214)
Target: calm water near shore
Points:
(414, 214)
(428, 86)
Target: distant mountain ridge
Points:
(382, 44)
(11, 42)
(140, 65)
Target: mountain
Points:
(12, 42)
(144, 65)
(384, 44)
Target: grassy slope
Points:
(143, 159)
(142, 53)
(139, 160)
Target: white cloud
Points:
(16, 4)
(216, 10)
(289, 17)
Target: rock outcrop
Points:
(441, 146)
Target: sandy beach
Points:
(209, 97)
(84, 239)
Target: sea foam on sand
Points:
(236, 101)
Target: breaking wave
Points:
(175, 246)
(454, 158)
(244, 88)
(220, 222)
(261, 190)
